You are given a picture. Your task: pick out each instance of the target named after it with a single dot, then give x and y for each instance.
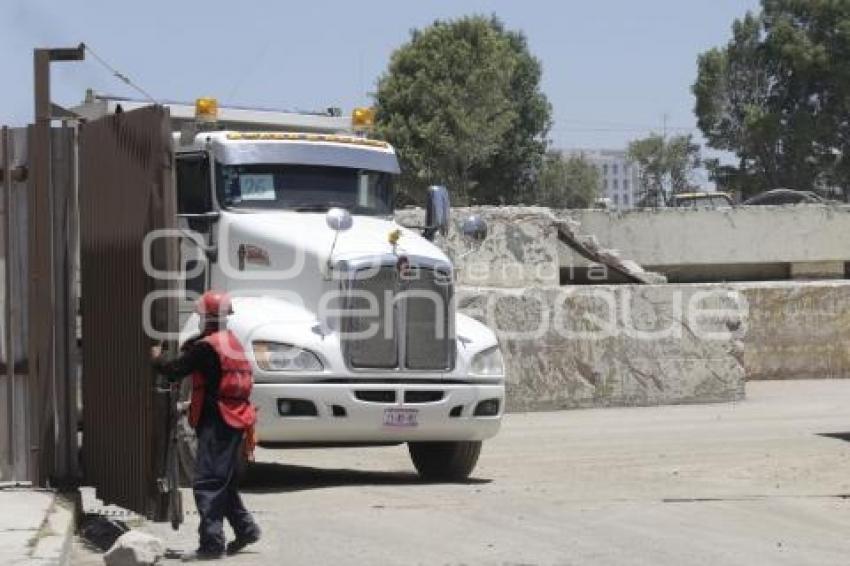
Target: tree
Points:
(778, 96)
(666, 166)
(461, 102)
(567, 182)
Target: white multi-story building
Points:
(618, 176)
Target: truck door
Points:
(196, 216)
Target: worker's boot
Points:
(242, 541)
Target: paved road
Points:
(756, 482)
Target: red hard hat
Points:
(213, 303)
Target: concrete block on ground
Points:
(797, 330)
(135, 548)
(609, 345)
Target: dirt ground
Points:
(763, 481)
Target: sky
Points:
(612, 69)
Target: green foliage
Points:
(666, 166)
(778, 96)
(567, 182)
(461, 102)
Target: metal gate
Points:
(126, 191)
(16, 438)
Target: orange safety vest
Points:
(234, 389)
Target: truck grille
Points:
(414, 324)
(428, 344)
(379, 347)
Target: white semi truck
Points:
(348, 317)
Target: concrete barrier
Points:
(797, 330)
(744, 242)
(613, 345)
(610, 345)
(788, 329)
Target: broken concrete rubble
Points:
(135, 548)
(521, 249)
(588, 247)
(524, 248)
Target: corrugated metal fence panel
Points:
(63, 388)
(126, 191)
(15, 439)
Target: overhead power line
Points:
(618, 130)
(585, 125)
(615, 124)
(118, 74)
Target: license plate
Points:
(401, 417)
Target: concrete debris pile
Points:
(135, 548)
(526, 246)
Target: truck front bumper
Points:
(355, 412)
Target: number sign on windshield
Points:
(256, 187)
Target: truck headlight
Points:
(273, 356)
(488, 363)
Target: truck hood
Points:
(308, 232)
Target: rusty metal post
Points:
(40, 311)
(41, 348)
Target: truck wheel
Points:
(444, 461)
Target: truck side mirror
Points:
(474, 228)
(437, 212)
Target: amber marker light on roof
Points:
(206, 109)
(363, 118)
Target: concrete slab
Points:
(762, 481)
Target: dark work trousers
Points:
(215, 485)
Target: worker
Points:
(223, 418)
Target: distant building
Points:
(619, 177)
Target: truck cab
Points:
(348, 318)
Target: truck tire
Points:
(444, 461)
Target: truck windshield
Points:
(306, 188)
